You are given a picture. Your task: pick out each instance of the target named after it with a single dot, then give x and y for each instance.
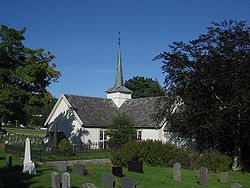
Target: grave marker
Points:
(236, 185)
(223, 177)
(203, 176)
(54, 180)
(128, 183)
(28, 165)
(107, 180)
(9, 162)
(78, 169)
(177, 172)
(61, 166)
(135, 166)
(88, 185)
(117, 171)
(66, 180)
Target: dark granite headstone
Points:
(107, 180)
(54, 180)
(9, 162)
(223, 177)
(177, 172)
(78, 169)
(135, 166)
(236, 185)
(203, 176)
(61, 166)
(128, 183)
(117, 171)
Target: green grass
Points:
(153, 177)
(26, 131)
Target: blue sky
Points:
(83, 34)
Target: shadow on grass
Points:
(14, 177)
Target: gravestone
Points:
(177, 172)
(117, 171)
(78, 169)
(66, 180)
(54, 180)
(128, 183)
(203, 176)
(107, 180)
(88, 185)
(9, 162)
(236, 185)
(223, 177)
(61, 166)
(28, 165)
(135, 166)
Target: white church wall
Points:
(151, 134)
(67, 121)
(93, 137)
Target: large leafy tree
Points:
(121, 130)
(37, 114)
(144, 87)
(24, 75)
(209, 79)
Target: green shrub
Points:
(215, 161)
(65, 148)
(156, 153)
(153, 153)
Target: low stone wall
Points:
(84, 162)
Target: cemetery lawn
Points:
(153, 177)
(26, 131)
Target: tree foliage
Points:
(37, 114)
(209, 79)
(144, 87)
(24, 75)
(121, 130)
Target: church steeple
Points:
(119, 93)
(119, 76)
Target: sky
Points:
(83, 35)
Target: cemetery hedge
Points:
(156, 153)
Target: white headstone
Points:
(28, 165)
(66, 180)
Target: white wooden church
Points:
(85, 119)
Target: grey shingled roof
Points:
(141, 110)
(93, 111)
(98, 112)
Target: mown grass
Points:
(153, 177)
(26, 131)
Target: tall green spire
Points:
(119, 76)
(119, 87)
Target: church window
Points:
(139, 135)
(103, 139)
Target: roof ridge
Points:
(86, 96)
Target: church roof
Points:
(93, 111)
(98, 112)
